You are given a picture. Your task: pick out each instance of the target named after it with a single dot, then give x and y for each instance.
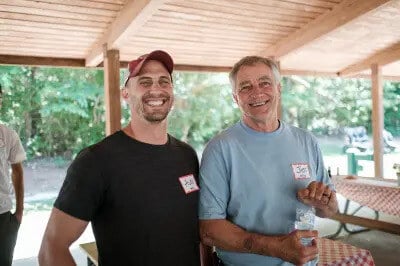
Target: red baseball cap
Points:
(135, 65)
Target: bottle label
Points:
(305, 219)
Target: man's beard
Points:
(155, 116)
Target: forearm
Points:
(52, 253)
(18, 184)
(225, 235)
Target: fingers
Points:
(293, 249)
(306, 233)
(316, 191)
(303, 193)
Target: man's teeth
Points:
(257, 104)
(155, 103)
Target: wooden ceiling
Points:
(318, 37)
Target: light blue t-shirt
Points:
(251, 179)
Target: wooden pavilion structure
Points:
(348, 38)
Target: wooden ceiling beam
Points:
(131, 18)
(71, 62)
(40, 61)
(343, 13)
(383, 57)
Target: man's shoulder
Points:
(299, 133)
(227, 133)
(103, 147)
(180, 144)
(7, 130)
(8, 135)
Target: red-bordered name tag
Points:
(301, 170)
(188, 183)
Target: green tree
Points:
(203, 107)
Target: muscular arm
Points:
(226, 235)
(17, 174)
(62, 230)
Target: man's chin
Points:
(155, 118)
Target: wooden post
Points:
(377, 118)
(112, 90)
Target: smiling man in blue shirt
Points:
(257, 174)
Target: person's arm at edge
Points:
(61, 231)
(17, 174)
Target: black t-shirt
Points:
(132, 193)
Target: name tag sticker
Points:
(188, 183)
(300, 171)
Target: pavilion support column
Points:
(377, 118)
(112, 91)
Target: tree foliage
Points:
(326, 105)
(59, 111)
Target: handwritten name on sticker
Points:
(188, 183)
(300, 171)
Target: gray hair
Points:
(251, 61)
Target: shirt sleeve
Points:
(17, 153)
(214, 184)
(84, 187)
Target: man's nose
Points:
(257, 88)
(155, 86)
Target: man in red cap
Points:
(138, 187)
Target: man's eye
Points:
(244, 88)
(164, 82)
(265, 84)
(146, 84)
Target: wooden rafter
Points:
(384, 57)
(40, 61)
(131, 18)
(345, 12)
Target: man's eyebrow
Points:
(148, 77)
(265, 78)
(246, 82)
(144, 78)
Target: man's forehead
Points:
(248, 79)
(151, 66)
(152, 76)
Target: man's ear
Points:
(234, 96)
(124, 93)
(279, 87)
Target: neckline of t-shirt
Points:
(168, 143)
(256, 133)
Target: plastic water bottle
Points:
(305, 218)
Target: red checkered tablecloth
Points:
(379, 195)
(336, 253)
